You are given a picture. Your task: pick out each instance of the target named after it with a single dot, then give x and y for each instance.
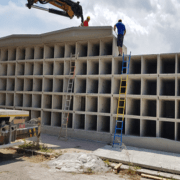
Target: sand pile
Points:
(78, 163)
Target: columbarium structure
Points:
(34, 72)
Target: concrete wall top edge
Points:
(65, 35)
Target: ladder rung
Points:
(123, 86)
(120, 107)
(119, 128)
(124, 80)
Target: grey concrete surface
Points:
(151, 159)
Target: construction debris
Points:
(78, 163)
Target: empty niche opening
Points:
(47, 101)
(70, 49)
(12, 54)
(37, 84)
(56, 119)
(10, 84)
(93, 85)
(57, 102)
(82, 49)
(20, 69)
(59, 68)
(20, 84)
(133, 127)
(28, 84)
(106, 67)
(167, 65)
(27, 100)
(11, 69)
(91, 121)
(49, 68)
(105, 86)
(80, 103)
(118, 67)
(178, 89)
(150, 65)
(10, 100)
(178, 69)
(121, 103)
(38, 68)
(21, 53)
(92, 105)
(70, 88)
(94, 48)
(3, 69)
(29, 68)
(3, 83)
(49, 52)
(167, 130)
(4, 55)
(135, 66)
(36, 101)
(167, 109)
(80, 121)
(106, 48)
(3, 99)
(35, 114)
(178, 112)
(80, 85)
(19, 100)
(178, 131)
(117, 86)
(48, 85)
(105, 105)
(46, 118)
(81, 67)
(39, 53)
(30, 53)
(149, 128)
(104, 124)
(58, 85)
(93, 67)
(149, 108)
(119, 125)
(134, 86)
(133, 107)
(150, 87)
(167, 87)
(59, 51)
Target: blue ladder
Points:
(118, 119)
(124, 63)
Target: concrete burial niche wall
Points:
(34, 73)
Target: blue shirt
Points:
(121, 28)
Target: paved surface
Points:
(157, 160)
(54, 143)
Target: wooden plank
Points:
(153, 177)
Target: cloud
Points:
(152, 25)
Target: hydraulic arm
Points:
(70, 8)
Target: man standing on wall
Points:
(121, 33)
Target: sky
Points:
(153, 26)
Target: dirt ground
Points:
(21, 166)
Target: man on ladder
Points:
(121, 33)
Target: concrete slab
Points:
(7, 113)
(156, 160)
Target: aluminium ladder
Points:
(67, 104)
(122, 99)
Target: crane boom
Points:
(70, 8)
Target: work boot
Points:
(120, 55)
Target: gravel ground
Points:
(22, 167)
